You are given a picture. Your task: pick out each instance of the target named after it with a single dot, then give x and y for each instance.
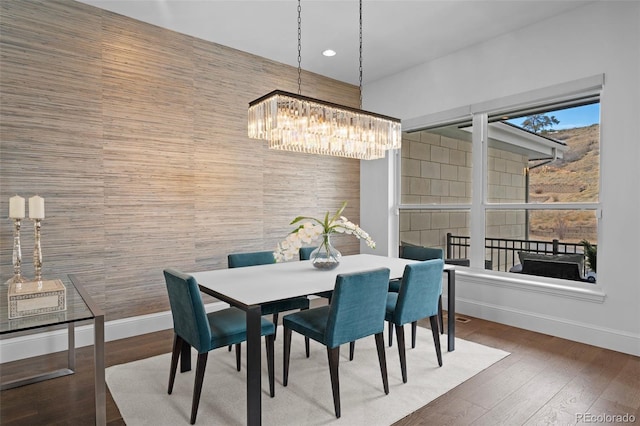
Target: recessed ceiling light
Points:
(329, 52)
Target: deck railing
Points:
(502, 253)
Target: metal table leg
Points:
(98, 354)
(71, 365)
(98, 351)
(254, 385)
(451, 308)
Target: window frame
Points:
(584, 90)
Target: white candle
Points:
(16, 207)
(36, 207)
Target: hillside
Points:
(573, 178)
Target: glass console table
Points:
(80, 307)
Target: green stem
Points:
(325, 243)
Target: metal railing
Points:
(502, 253)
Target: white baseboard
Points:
(603, 337)
(21, 347)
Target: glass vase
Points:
(326, 257)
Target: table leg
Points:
(71, 346)
(98, 353)
(71, 365)
(254, 385)
(451, 309)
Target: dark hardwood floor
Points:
(545, 380)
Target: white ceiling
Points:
(396, 34)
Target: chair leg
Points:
(352, 350)
(402, 352)
(414, 329)
(201, 365)
(270, 364)
(440, 318)
(382, 359)
(306, 340)
(175, 355)
(275, 322)
(436, 337)
(285, 356)
(238, 353)
(334, 358)
(390, 334)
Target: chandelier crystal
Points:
(292, 122)
(297, 123)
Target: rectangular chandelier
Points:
(292, 122)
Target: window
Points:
(436, 186)
(535, 198)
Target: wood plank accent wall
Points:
(136, 137)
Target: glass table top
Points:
(77, 310)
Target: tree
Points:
(538, 123)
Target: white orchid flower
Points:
(313, 228)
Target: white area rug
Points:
(140, 388)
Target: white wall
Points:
(602, 37)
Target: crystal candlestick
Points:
(37, 251)
(17, 254)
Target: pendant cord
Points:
(360, 54)
(299, 48)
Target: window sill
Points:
(552, 286)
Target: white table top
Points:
(253, 285)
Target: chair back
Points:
(421, 253)
(189, 316)
(420, 290)
(357, 306)
(305, 252)
(239, 260)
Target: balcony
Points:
(502, 254)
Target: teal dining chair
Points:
(239, 260)
(357, 310)
(305, 252)
(418, 253)
(194, 327)
(416, 299)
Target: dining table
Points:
(249, 287)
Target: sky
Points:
(571, 117)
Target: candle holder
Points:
(37, 251)
(16, 259)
